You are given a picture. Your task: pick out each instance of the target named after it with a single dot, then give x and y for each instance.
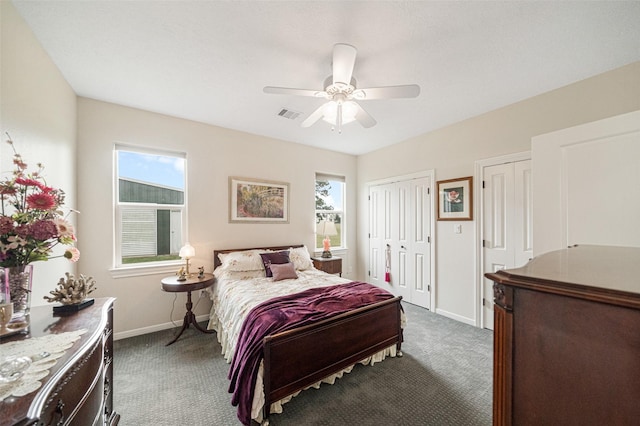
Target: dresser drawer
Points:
(79, 394)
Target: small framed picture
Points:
(258, 201)
(455, 199)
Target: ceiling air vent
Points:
(287, 113)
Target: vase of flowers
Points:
(18, 279)
(31, 225)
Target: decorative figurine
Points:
(182, 275)
(201, 272)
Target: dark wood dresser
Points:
(567, 339)
(79, 387)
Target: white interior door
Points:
(376, 245)
(507, 224)
(402, 279)
(400, 228)
(523, 213)
(420, 241)
(379, 232)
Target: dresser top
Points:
(604, 273)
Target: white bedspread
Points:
(236, 293)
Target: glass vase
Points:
(18, 279)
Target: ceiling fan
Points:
(342, 93)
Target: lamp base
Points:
(326, 254)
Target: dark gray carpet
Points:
(444, 378)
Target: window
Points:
(150, 206)
(330, 206)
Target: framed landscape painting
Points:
(455, 199)
(258, 201)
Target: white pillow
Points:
(300, 258)
(222, 273)
(238, 261)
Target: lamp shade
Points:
(348, 111)
(326, 227)
(187, 251)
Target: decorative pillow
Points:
(300, 258)
(283, 271)
(274, 258)
(238, 261)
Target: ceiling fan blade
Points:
(315, 116)
(344, 58)
(296, 92)
(364, 118)
(388, 92)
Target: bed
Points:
(304, 354)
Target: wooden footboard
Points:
(298, 358)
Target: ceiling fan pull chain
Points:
(339, 117)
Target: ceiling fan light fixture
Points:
(330, 112)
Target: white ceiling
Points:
(209, 60)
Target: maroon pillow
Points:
(276, 258)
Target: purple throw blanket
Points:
(284, 313)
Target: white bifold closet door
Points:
(399, 237)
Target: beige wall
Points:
(38, 110)
(453, 150)
(213, 154)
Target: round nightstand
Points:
(171, 284)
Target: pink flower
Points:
(65, 229)
(15, 242)
(452, 196)
(7, 189)
(41, 201)
(72, 253)
(28, 182)
(43, 230)
(22, 231)
(17, 160)
(6, 225)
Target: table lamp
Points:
(326, 228)
(186, 252)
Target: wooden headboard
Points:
(216, 259)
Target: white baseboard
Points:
(154, 328)
(456, 317)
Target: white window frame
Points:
(119, 269)
(342, 212)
